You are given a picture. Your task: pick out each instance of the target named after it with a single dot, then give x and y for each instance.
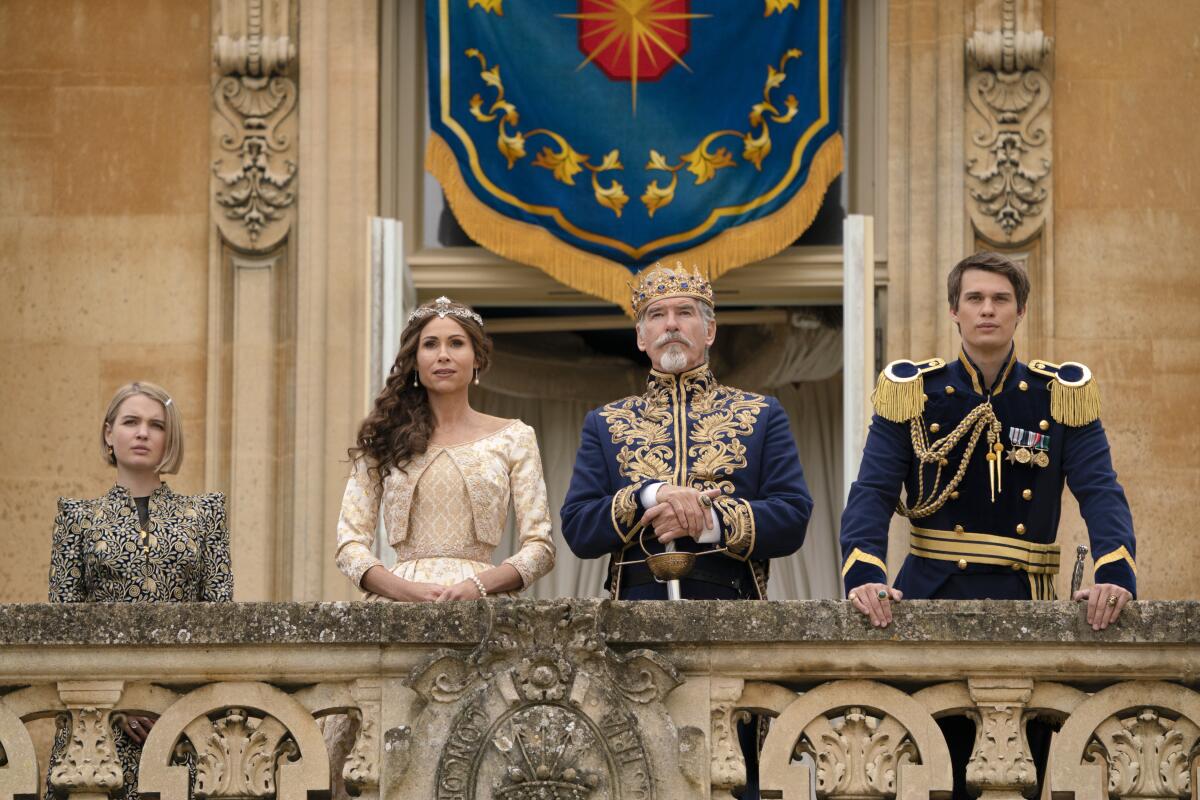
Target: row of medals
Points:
(1025, 455)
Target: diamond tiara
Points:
(443, 308)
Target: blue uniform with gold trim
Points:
(689, 430)
(965, 545)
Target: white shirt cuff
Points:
(649, 497)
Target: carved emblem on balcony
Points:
(857, 757)
(255, 94)
(1008, 136)
(90, 763)
(544, 710)
(1148, 757)
(239, 758)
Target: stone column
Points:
(251, 283)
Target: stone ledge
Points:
(710, 623)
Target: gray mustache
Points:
(672, 336)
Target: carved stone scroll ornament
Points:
(1148, 755)
(858, 755)
(255, 94)
(1008, 144)
(241, 755)
(90, 763)
(1131, 741)
(868, 741)
(543, 709)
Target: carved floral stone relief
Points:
(1008, 147)
(255, 97)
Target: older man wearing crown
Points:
(689, 462)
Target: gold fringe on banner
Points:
(1075, 405)
(607, 279)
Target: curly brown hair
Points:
(401, 422)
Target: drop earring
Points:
(477, 376)
(416, 382)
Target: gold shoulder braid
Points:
(1074, 393)
(981, 419)
(900, 391)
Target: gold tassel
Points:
(606, 279)
(1075, 405)
(896, 401)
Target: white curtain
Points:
(551, 382)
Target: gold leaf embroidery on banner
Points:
(703, 162)
(562, 160)
(497, 6)
(779, 6)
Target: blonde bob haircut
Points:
(173, 451)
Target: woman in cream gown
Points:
(441, 475)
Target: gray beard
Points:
(674, 360)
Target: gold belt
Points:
(985, 548)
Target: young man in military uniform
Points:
(690, 461)
(982, 447)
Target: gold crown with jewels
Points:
(660, 281)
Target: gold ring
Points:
(706, 501)
(1112, 599)
(882, 594)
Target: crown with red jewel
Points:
(660, 281)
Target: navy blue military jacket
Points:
(970, 534)
(688, 430)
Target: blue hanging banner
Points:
(592, 138)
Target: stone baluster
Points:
(89, 769)
(1001, 767)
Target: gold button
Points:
(934, 428)
(1027, 494)
(954, 495)
(1016, 567)
(1021, 528)
(1024, 387)
(958, 528)
(962, 563)
(1044, 425)
(942, 462)
(949, 390)
(924, 396)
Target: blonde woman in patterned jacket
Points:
(441, 474)
(141, 542)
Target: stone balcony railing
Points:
(587, 700)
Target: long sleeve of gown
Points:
(356, 524)
(216, 583)
(66, 557)
(536, 555)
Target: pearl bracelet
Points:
(478, 585)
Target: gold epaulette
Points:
(900, 391)
(1074, 393)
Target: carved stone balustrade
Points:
(583, 700)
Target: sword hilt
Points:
(1077, 576)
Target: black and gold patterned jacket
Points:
(689, 430)
(100, 553)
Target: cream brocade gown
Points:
(445, 513)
